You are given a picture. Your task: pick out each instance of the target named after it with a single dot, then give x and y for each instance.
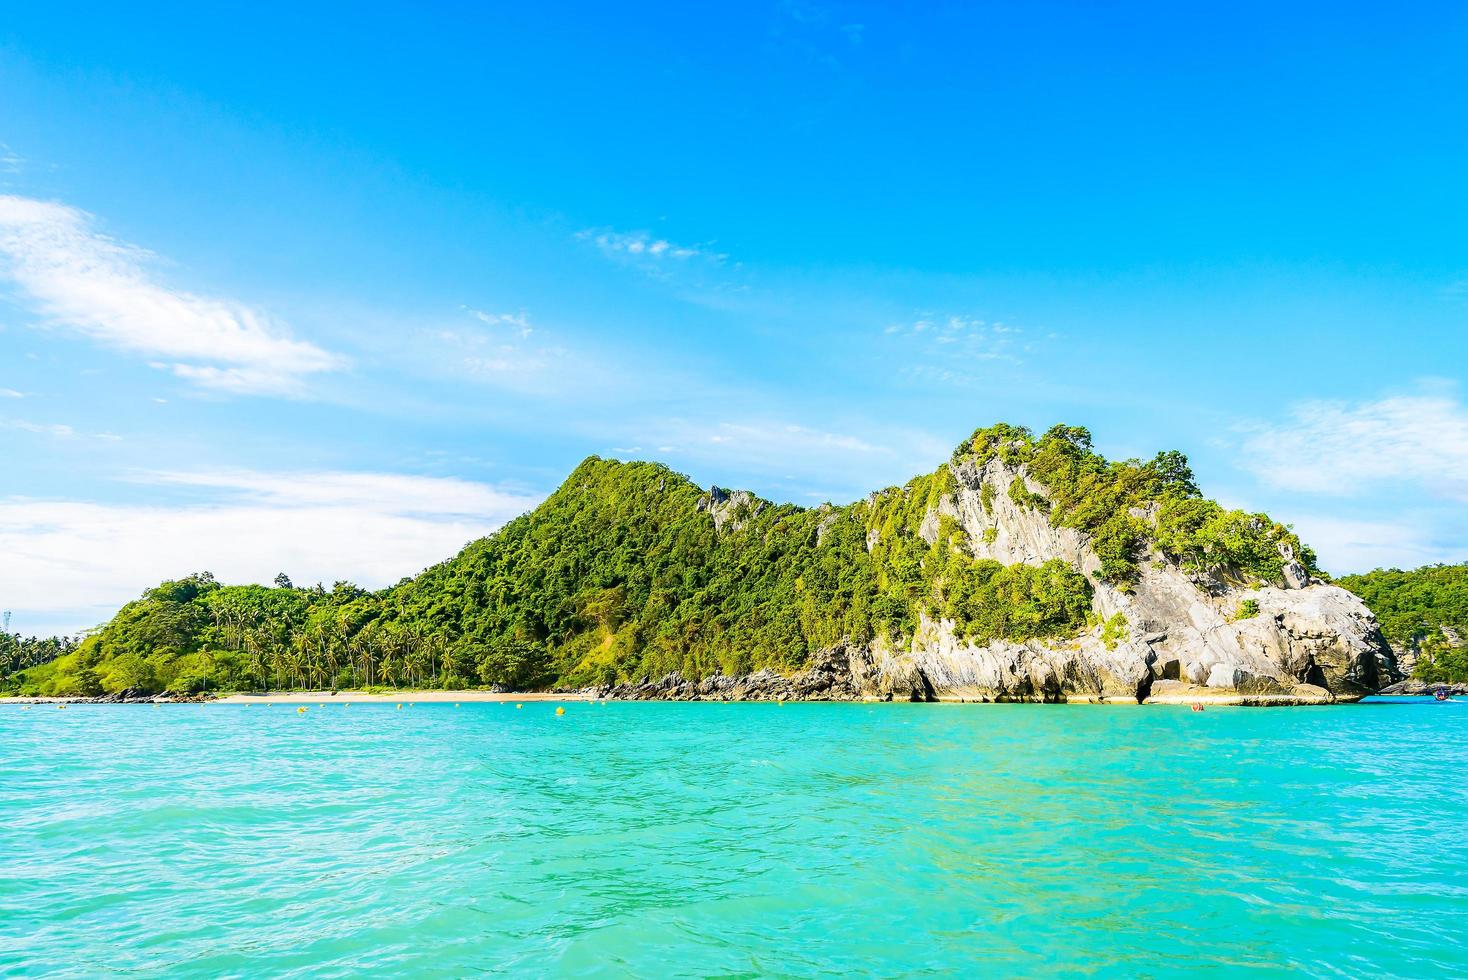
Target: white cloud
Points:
(481, 354)
(501, 355)
(782, 456)
(11, 393)
(70, 564)
(646, 248)
(81, 280)
(39, 428)
(961, 336)
(518, 323)
(1349, 546)
(1343, 449)
(784, 439)
(437, 496)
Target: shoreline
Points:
(1166, 697)
(316, 697)
(403, 697)
(310, 698)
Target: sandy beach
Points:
(402, 697)
(318, 697)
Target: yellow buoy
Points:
(560, 710)
(301, 710)
(456, 704)
(519, 706)
(61, 707)
(321, 705)
(400, 707)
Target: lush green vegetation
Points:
(1425, 610)
(621, 575)
(1123, 505)
(18, 653)
(1248, 609)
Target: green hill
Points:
(631, 571)
(1424, 616)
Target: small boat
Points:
(1441, 694)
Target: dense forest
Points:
(1424, 611)
(18, 653)
(630, 571)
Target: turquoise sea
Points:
(734, 840)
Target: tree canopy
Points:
(1424, 610)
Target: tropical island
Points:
(1026, 568)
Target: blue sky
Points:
(334, 294)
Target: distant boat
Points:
(1441, 694)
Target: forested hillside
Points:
(630, 571)
(1423, 613)
(18, 653)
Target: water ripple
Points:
(736, 840)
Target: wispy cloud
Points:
(962, 336)
(786, 457)
(394, 493)
(69, 564)
(39, 428)
(651, 254)
(786, 438)
(78, 279)
(955, 350)
(11, 393)
(1342, 449)
(501, 353)
(518, 323)
(10, 161)
(1348, 546)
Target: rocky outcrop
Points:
(729, 510)
(129, 696)
(1416, 688)
(841, 673)
(1172, 637)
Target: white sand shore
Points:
(401, 697)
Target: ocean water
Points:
(734, 840)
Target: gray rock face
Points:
(1181, 629)
(729, 510)
(1413, 688)
(1186, 639)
